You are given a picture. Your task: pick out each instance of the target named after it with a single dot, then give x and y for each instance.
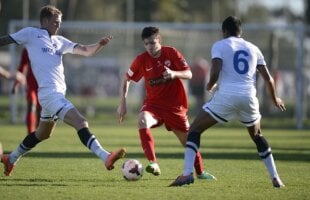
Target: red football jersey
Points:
(168, 94)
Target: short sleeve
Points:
(67, 45)
(135, 71)
(21, 36)
(216, 51)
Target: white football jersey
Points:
(239, 64)
(45, 53)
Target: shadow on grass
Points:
(211, 155)
(55, 182)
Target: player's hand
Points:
(20, 77)
(211, 88)
(104, 41)
(168, 74)
(280, 104)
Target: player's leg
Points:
(264, 151)
(31, 116)
(73, 117)
(43, 132)
(198, 164)
(146, 120)
(250, 116)
(202, 122)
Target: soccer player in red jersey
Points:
(162, 68)
(33, 106)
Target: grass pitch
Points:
(62, 168)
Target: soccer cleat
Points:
(205, 175)
(182, 180)
(277, 183)
(8, 167)
(153, 168)
(113, 157)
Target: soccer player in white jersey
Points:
(235, 62)
(46, 50)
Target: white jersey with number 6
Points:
(239, 61)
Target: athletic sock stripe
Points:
(265, 152)
(265, 156)
(90, 141)
(24, 148)
(192, 146)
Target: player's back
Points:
(239, 61)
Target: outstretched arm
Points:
(271, 87)
(92, 49)
(5, 40)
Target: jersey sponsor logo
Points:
(40, 36)
(158, 81)
(51, 51)
(148, 69)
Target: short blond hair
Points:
(48, 12)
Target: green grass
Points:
(62, 168)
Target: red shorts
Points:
(174, 119)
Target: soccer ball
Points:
(132, 170)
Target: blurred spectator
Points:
(197, 85)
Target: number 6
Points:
(241, 65)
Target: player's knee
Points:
(142, 123)
(42, 136)
(146, 121)
(81, 124)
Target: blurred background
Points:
(280, 28)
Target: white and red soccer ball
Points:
(132, 170)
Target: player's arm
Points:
(12, 76)
(23, 65)
(214, 74)
(5, 40)
(122, 108)
(271, 86)
(91, 49)
(170, 74)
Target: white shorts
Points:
(224, 107)
(54, 106)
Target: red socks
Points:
(31, 122)
(198, 163)
(147, 143)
